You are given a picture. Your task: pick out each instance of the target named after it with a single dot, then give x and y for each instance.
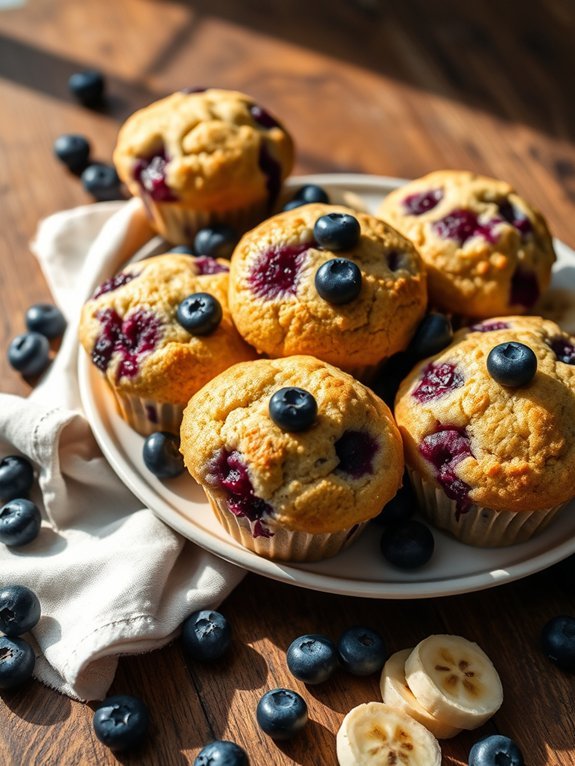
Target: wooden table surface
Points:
(394, 87)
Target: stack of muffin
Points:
(263, 363)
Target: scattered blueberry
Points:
(311, 193)
(46, 319)
(199, 313)
(222, 753)
(338, 281)
(337, 231)
(408, 546)
(29, 353)
(281, 713)
(88, 87)
(512, 364)
(312, 658)
(433, 334)
(73, 150)
(206, 635)
(19, 610)
(293, 409)
(20, 522)
(495, 750)
(161, 454)
(558, 642)
(182, 249)
(362, 651)
(400, 508)
(16, 662)
(121, 722)
(293, 203)
(216, 241)
(16, 477)
(102, 182)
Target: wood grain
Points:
(375, 86)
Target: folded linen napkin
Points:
(110, 576)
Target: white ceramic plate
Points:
(359, 571)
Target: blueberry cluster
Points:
(338, 281)
(29, 352)
(305, 195)
(20, 518)
(19, 613)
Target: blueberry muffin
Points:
(159, 330)
(487, 251)
(489, 429)
(327, 281)
(294, 455)
(202, 157)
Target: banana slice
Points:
(396, 693)
(454, 680)
(375, 734)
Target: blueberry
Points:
(16, 477)
(512, 364)
(17, 662)
(312, 193)
(408, 546)
(88, 87)
(29, 353)
(400, 508)
(338, 281)
(222, 753)
(281, 713)
(206, 635)
(293, 203)
(293, 409)
(433, 334)
(337, 231)
(312, 658)
(121, 722)
(46, 319)
(102, 182)
(161, 454)
(495, 750)
(216, 241)
(558, 642)
(73, 150)
(19, 610)
(20, 522)
(182, 249)
(362, 651)
(199, 313)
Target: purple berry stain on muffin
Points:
(132, 338)
(421, 202)
(356, 451)
(151, 413)
(206, 265)
(437, 380)
(119, 280)
(461, 225)
(276, 271)
(524, 289)
(263, 118)
(489, 326)
(515, 217)
(271, 169)
(444, 449)
(150, 173)
(564, 349)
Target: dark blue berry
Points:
(312, 193)
(16, 477)
(216, 241)
(19, 610)
(362, 651)
(512, 364)
(199, 314)
(46, 319)
(16, 662)
(558, 642)
(102, 182)
(29, 353)
(281, 713)
(222, 753)
(408, 546)
(312, 658)
(293, 409)
(338, 281)
(400, 508)
(20, 522)
(183, 249)
(161, 454)
(495, 750)
(206, 635)
(121, 722)
(73, 150)
(293, 203)
(88, 87)
(433, 334)
(337, 231)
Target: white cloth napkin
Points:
(110, 576)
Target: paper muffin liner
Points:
(478, 526)
(148, 415)
(284, 544)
